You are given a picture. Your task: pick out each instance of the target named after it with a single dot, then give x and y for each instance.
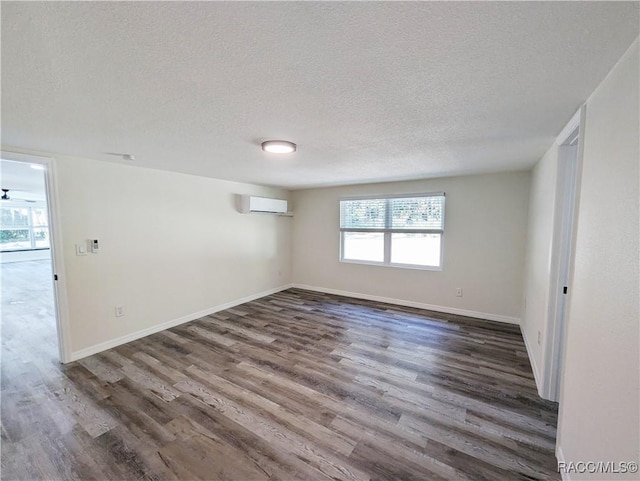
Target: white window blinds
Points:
(363, 214)
(417, 213)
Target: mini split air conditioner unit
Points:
(251, 203)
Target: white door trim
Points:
(569, 170)
(57, 259)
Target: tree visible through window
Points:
(401, 231)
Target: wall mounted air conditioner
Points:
(251, 203)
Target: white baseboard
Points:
(532, 360)
(560, 458)
(103, 346)
(89, 351)
(419, 305)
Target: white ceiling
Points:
(369, 91)
(23, 182)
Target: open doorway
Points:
(30, 326)
(567, 187)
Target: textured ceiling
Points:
(369, 91)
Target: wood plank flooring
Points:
(296, 385)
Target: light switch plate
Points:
(81, 249)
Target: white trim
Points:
(532, 361)
(419, 305)
(392, 196)
(567, 193)
(388, 231)
(103, 346)
(560, 459)
(572, 125)
(55, 236)
(389, 264)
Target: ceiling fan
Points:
(20, 197)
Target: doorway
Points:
(567, 188)
(33, 332)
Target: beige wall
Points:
(484, 244)
(171, 245)
(538, 257)
(599, 398)
(174, 246)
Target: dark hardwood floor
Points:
(296, 385)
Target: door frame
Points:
(61, 307)
(565, 215)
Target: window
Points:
(23, 227)
(398, 231)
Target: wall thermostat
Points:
(94, 246)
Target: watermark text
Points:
(598, 467)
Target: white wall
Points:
(484, 245)
(538, 257)
(171, 245)
(599, 398)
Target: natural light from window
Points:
(397, 231)
(23, 227)
(416, 249)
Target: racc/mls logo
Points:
(598, 467)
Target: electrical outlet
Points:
(119, 311)
(539, 337)
(458, 291)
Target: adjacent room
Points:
(356, 241)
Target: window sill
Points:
(398, 266)
(25, 250)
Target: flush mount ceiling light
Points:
(278, 146)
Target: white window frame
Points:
(30, 227)
(388, 231)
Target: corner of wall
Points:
(560, 458)
(419, 305)
(532, 361)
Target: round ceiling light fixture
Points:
(278, 146)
